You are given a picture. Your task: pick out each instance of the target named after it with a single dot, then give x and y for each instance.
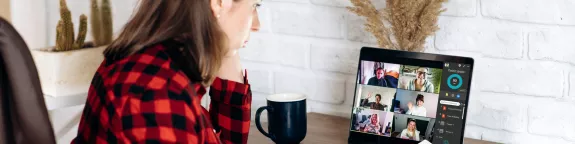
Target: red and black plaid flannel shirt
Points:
(146, 98)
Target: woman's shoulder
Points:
(146, 65)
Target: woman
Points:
(411, 131)
(373, 126)
(418, 110)
(420, 83)
(149, 87)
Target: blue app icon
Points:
(458, 96)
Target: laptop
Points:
(410, 97)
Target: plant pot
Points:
(67, 73)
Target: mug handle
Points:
(258, 124)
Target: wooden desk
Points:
(324, 129)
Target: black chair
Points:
(23, 115)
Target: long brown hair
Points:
(187, 21)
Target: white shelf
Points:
(53, 103)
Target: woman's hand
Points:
(231, 69)
(409, 105)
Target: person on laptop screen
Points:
(420, 83)
(381, 79)
(373, 126)
(418, 110)
(411, 131)
(373, 105)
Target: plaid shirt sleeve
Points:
(230, 110)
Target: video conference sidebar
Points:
(452, 103)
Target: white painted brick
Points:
(521, 77)
(122, 12)
(552, 45)
(498, 136)
(571, 90)
(307, 20)
(261, 81)
(293, 53)
(552, 118)
(534, 11)
(522, 138)
(538, 139)
(275, 49)
(335, 57)
(428, 46)
(327, 90)
(489, 37)
(265, 17)
(350, 85)
(494, 111)
(336, 3)
(460, 8)
(474, 108)
(473, 132)
(329, 109)
(259, 100)
(482, 133)
(260, 48)
(356, 29)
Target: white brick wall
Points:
(524, 81)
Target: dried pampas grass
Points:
(402, 24)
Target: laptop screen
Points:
(411, 100)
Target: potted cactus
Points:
(67, 68)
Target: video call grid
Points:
(397, 79)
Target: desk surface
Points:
(318, 132)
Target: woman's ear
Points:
(216, 6)
(220, 6)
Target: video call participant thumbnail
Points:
(416, 103)
(413, 127)
(379, 74)
(418, 109)
(411, 131)
(375, 97)
(420, 83)
(377, 105)
(373, 126)
(372, 121)
(422, 79)
(380, 79)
